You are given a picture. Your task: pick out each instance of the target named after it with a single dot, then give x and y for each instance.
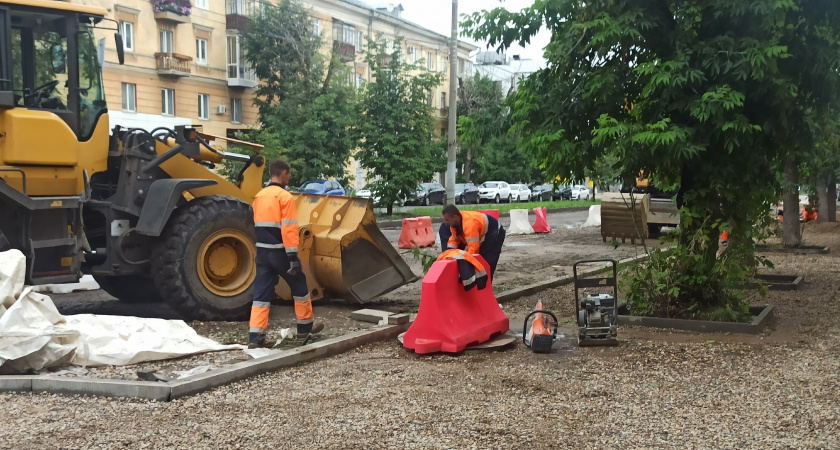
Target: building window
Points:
(237, 67)
(349, 34)
(412, 54)
(167, 100)
(203, 4)
(430, 61)
(443, 99)
(360, 41)
(129, 97)
(167, 41)
(201, 51)
(430, 99)
(236, 110)
(359, 80)
(443, 65)
(127, 32)
(204, 106)
(443, 132)
(316, 26)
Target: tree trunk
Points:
(468, 164)
(831, 206)
(389, 210)
(822, 199)
(792, 234)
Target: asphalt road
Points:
(555, 220)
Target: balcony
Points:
(346, 52)
(444, 112)
(238, 12)
(237, 21)
(173, 64)
(175, 11)
(240, 75)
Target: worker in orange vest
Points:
(474, 232)
(276, 227)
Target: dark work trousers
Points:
(273, 264)
(490, 249)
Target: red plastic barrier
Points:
(417, 232)
(450, 318)
(490, 212)
(541, 226)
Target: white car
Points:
(363, 193)
(495, 191)
(520, 192)
(581, 193)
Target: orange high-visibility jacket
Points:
(475, 227)
(471, 271)
(275, 219)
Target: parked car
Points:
(429, 194)
(581, 193)
(541, 193)
(495, 191)
(364, 192)
(466, 193)
(520, 192)
(562, 192)
(326, 187)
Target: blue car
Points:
(325, 187)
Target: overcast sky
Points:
(437, 15)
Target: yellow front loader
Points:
(142, 210)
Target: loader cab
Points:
(51, 60)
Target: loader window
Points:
(92, 98)
(39, 72)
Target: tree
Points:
(306, 104)
(394, 125)
(481, 116)
(707, 95)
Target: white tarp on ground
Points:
(594, 219)
(34, 335)
(519, 223)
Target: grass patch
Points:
(435, 211)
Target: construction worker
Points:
(472, 231)
(275, 223)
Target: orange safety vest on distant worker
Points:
(474, 225)
(275, 219)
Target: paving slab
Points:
(370, 315)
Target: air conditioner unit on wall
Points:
(221, 109)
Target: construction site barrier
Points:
(541, 225)
(494, 213)
(519, 223)
(417, 232)
(594, 219)
(449, 318)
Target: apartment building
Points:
(184, 64)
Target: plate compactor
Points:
(597, 313)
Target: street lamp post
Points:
(453, 107)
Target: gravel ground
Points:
(658, 389)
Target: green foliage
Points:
(305, 102)
(500, 158)
(708, 95)
(426, 259)
(394, 125)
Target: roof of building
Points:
(363, 5)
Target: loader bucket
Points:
(343, 252)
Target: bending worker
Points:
(472, 231)
(275, 223)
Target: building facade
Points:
(184, 65)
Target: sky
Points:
(437, 15)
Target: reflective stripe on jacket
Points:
(275, 219)
(472, 272)
(475, 226)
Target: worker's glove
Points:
(294, 262)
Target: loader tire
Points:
(130, 288)
(204, 266)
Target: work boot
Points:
(303, 337)
(256, 340)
